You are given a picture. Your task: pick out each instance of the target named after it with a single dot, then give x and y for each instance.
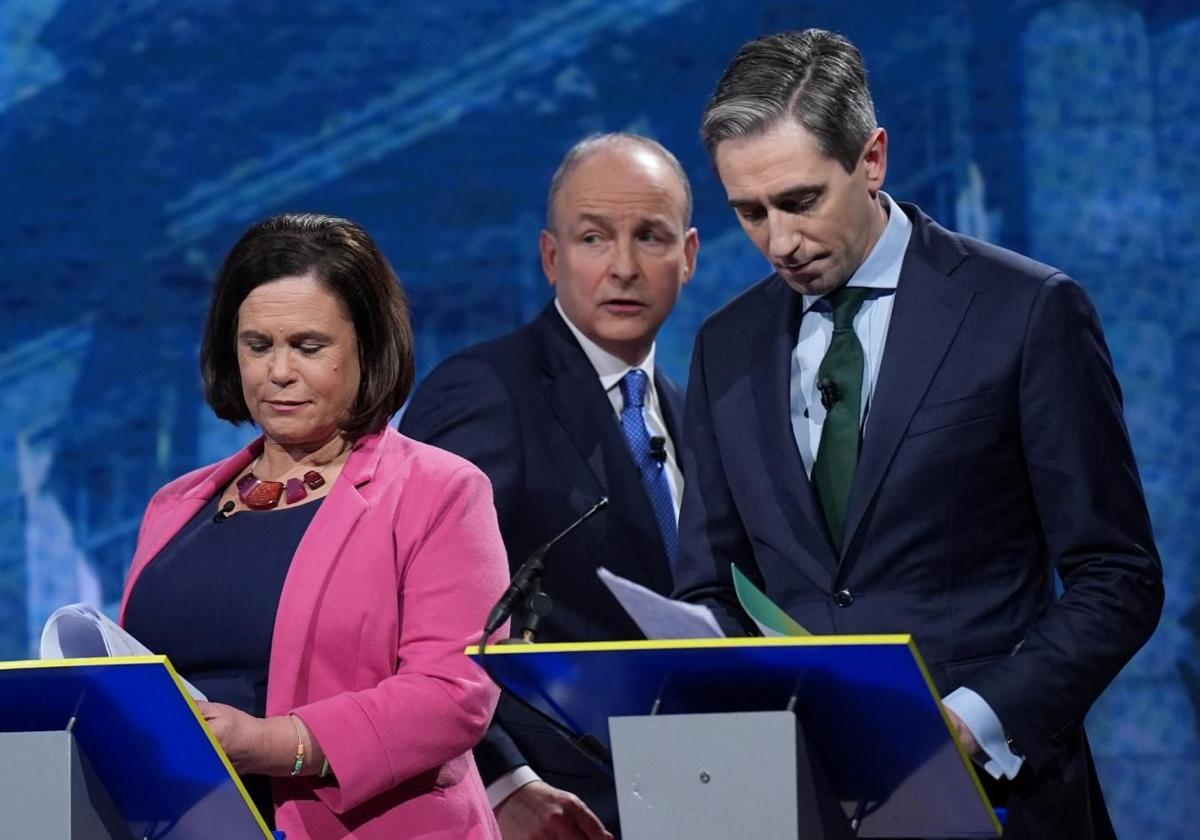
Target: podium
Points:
(816, 736)
(112, 749)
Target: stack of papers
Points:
(80, 631)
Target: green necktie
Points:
(840, 379)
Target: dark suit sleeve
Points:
(1094, 522)
(711, 536)
(464, 407)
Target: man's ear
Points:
(548, 245)
(874, 160)
(691, 247)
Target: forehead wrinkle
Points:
(644, 182)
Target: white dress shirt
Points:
(611, 371)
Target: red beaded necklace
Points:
(257, 494)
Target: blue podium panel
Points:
(144, 737)
(867, 705)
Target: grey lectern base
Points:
(48, 791)
(721, 776)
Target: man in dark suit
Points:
(568, 409)
(903, 429)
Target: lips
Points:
(624, 306)
(286, 406)
(800, 268)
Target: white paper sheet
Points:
(658, 617)
(80, 631)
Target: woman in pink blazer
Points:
(321, 584)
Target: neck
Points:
(630, 355)
(879, 220)
(278, 459)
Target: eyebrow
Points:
(593, 219)
(294, 338)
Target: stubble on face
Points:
(813, 221)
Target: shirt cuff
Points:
(508, 784)
(997, 758)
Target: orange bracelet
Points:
(299, 765)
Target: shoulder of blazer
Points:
(391, 460)
(970, 260)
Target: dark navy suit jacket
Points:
(529, 410)
(994, 453)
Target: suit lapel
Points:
(771, 377)
(926, 316)
(312, 563)
(573, 391)
(670, 403)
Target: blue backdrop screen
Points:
(139, 138)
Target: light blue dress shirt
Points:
(880, 272)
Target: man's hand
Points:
(964, 735)
(538, 811)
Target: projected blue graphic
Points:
(138, 138)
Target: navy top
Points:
(208, 601)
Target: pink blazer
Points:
(393, 578)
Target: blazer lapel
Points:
(771, 378)
(669, 403)
(312, 563)
(926, 316)
(577, 400)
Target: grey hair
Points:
(595, 143)
(814, 77)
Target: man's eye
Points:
(752, 214)
(257, 347)
(590, 238)
(799, 206)
(310, 349)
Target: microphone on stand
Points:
(527, 577)
(524, 584)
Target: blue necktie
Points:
(654, 473)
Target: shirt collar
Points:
(881, 269)
(608, 367)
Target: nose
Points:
(281, 366)
(624, 262)
(785, 239)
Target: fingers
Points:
(587, 823)
(538, 811)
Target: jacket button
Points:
(843, 598)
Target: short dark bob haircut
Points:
(346, 262)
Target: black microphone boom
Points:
(527, 576)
